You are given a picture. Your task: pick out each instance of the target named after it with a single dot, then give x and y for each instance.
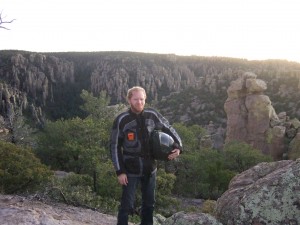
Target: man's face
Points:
(137, 101)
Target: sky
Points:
(248, 29)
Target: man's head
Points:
(136, 97)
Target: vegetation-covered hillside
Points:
(187, 88)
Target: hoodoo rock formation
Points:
(249, 112)
(251, 117)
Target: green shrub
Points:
(72, 145)
(209, 207)
(77, 190)
(204, 172)
(190, 135)
(165, 203)
(107, 182)
(208, 172)
(72, 189)
(240, 156)
(20, 170)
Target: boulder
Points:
(182, 218)
(266, 194)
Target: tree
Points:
(80, 145)
(22, 133)
(2, 21)
(73, 145)
(190, 135)
(97, 107)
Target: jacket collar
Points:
(134, 114)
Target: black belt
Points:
(133, 153)
(136, 154)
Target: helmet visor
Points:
(165, 139)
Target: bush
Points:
(240, 156)
(209, 207)
(208, 172)
(204, 172)
(72, 145)
(20, 170)
(77, 190)
(165, 204)
(107, 183)
(190, 135)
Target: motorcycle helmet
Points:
(161, 145)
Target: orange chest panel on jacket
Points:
(130, 136)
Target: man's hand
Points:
(174, 154)
(122, 178)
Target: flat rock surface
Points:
(17, 210)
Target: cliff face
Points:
(36, 74)
(192, 87)
(28, 81)
(117, 75)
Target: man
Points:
(132, 157)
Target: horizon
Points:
(251, 30)
(154, 53)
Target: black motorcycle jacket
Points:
(129, 141)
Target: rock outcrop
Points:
(251, 118)
(37, 74)
(249, 112)
(16, 210)
(182, 218)
(32, 76)
(117, 77)
(267, 194)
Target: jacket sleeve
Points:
(116, 140)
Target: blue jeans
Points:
(148, 184)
